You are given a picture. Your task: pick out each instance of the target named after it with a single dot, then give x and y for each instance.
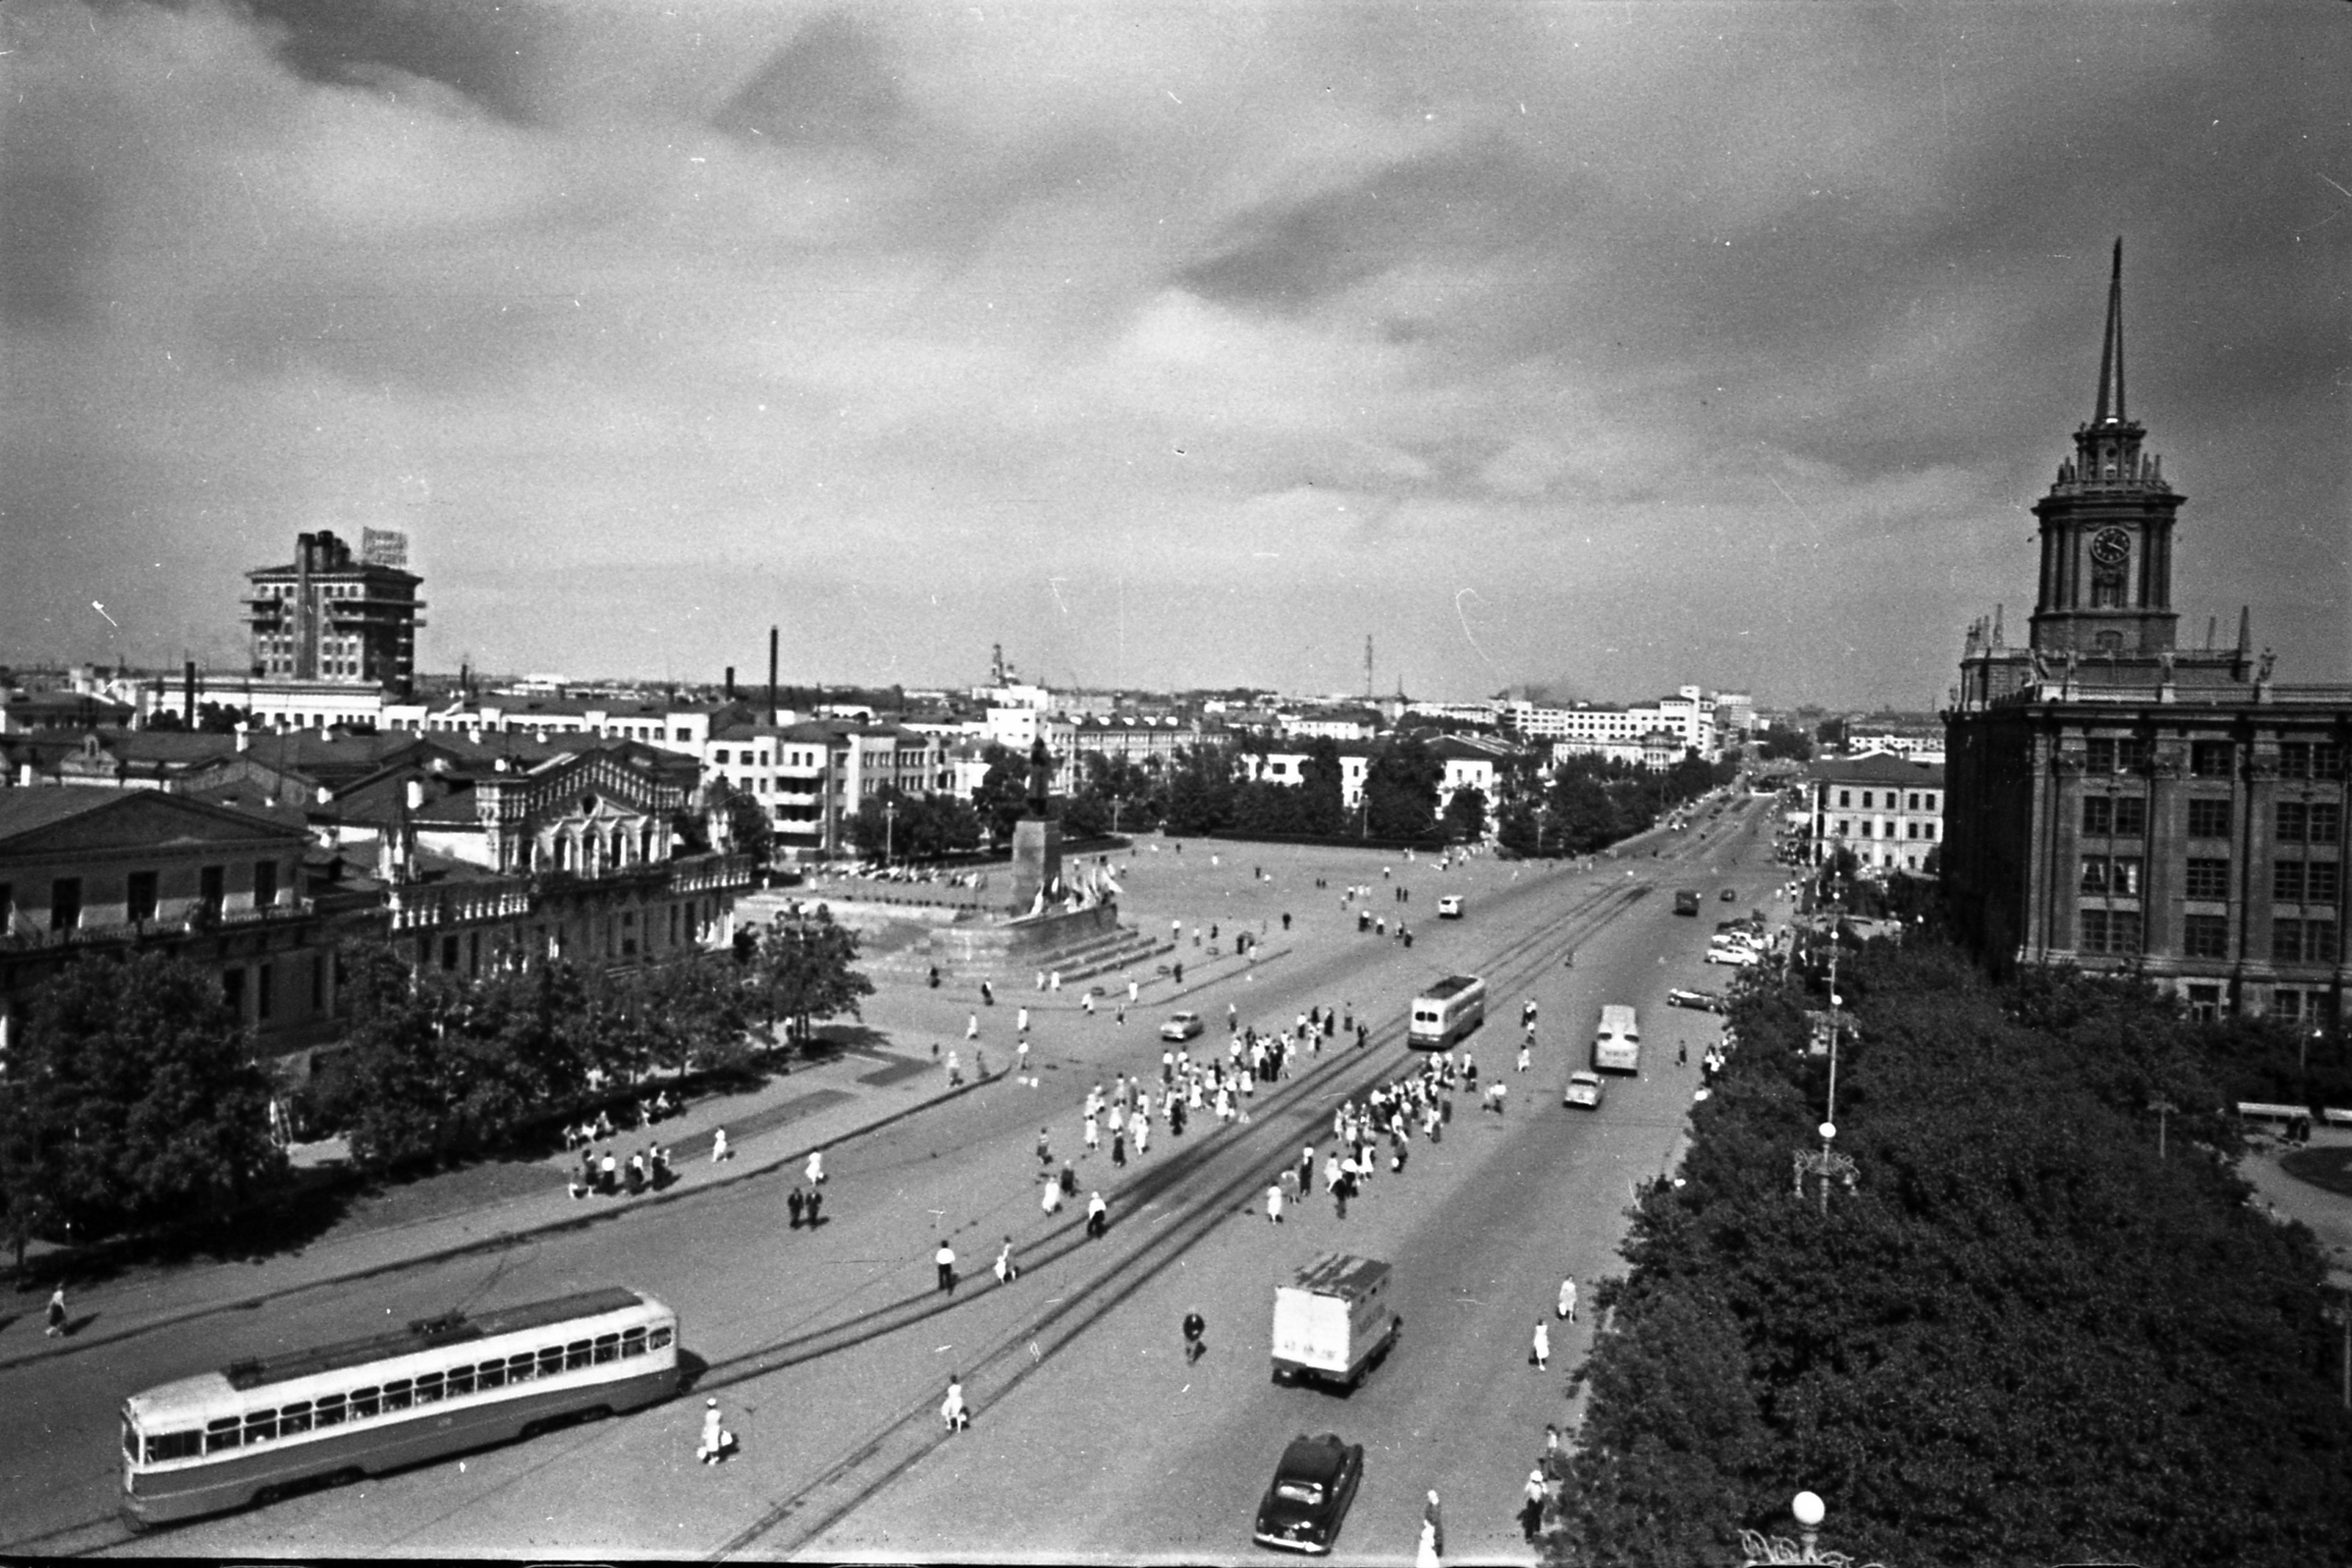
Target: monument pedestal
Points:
(1036, 863)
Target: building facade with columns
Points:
(2118, 802)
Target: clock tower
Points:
(2106, 529)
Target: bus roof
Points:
(1453, 986)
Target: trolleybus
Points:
(1447, 1011)
(257, 1429)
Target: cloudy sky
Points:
(1606, 346)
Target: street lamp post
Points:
(889, 829)
(1827, 1163)
(1758, 1550)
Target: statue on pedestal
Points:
(1041, 778)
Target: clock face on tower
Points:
(2111, 547)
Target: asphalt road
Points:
(829, 1350)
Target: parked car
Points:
(1705, 1001)
(1730, 895)
(1584, 1089)
(1739, 955)
(1449, 907)
(1314, 1483)
(1182, 1027)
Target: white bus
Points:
(1445, 1012)
(255, 1429)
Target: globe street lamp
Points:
(1761, 1551)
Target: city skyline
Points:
(1596, 350)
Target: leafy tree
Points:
(1401, 791)
(1322, 790)
(803, 972)
(687, 1016)
(1780, 743)
(2022, 1336)
(749, 829)
(1518, 827)
(1465, 814)
(914, 827)
(1003, 797)
(1201, 790)
(134, 1100)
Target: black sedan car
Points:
(1313, 1485)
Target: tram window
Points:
(363, 1403)
(294, 1418)
(428, 1389)
(608, 1347)
(174, 1445)
(577, 1354)
(223, 1434)
(461, 1381)
(551, 1361)
(330, 1411)
(518, 1367)
(261, 1425)
(396, 1393)
(634, 1343)
(490, 1374)
(660, 1336)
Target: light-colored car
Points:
(1584, 1089)
(1739, 956)
(1182, 1027)
(1449, 907)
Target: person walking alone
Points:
(1431, 1551)
(944, 1259)
(56, 1327)
(1540, 1353)
(1274, 1203)
(1097, 1217)
(1194, 1327)
(718, 1150)
(1567, 1298)
(1006, 1270)
(952, 1409)
(815, 1174)
(716, 1440)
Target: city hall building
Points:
(2120, 802)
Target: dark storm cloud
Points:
(834, 85)
(477, 49)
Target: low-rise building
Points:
(1888, 811)
(112, 869)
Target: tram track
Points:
(888, 1450)
(1199, 1185)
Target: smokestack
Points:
(773, 632)
(730, 683)
(188, 693)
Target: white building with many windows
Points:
(1888, 811)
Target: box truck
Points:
(1334, 1320)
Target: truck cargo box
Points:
(1334, 1319)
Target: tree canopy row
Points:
(2021, 1335)
(133, 1101)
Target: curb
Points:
(494, 1241)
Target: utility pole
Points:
(1368, 667)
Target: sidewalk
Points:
(2328, 1214)
(871, 1082)
(495, 1203)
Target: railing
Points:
(192, 922)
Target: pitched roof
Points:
(1881, 767)
(25, 811)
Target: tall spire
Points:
(2111, 354)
